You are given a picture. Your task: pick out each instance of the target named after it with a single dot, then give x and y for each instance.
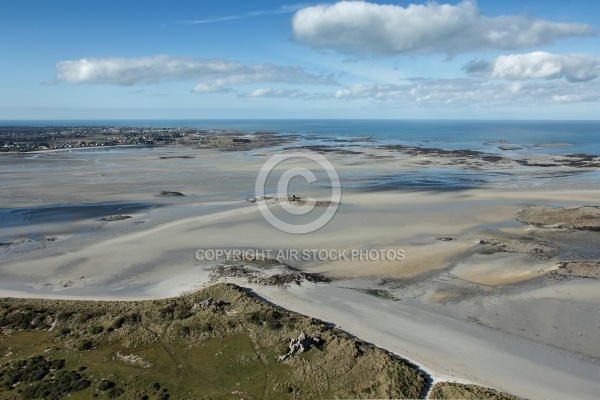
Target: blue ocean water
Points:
(507, 138)
(533, 137)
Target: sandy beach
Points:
(479, 296)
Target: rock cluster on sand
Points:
(111, 218)
(253, 272)
(539, 249)
(579, 269)
(32, 240)
(165, 193)
(586, 218)
(294, 200)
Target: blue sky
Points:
(273, 59)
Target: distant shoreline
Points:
(513, 137)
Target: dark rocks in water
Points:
(508, 148)
(416, 150)
(526, 163)
(170, 157)
(111, 218)
(569, 160)
(326, 149)
(166, 193)
(34, 239)
(445, 239)
(492, 158)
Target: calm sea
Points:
(534, 137)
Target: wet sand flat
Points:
(473, 256)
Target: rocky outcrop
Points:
(299, 345)
(165, 193)
(294, 200)
(210, 302)
(288, 275)
(132, 359)
(115, 218)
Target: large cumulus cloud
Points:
(368, 28)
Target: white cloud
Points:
(283, 93)
(210, 88)
(214, 74)
(270, 92)
(572, 98)
(368, 28)
(471, 92)
(537, 65)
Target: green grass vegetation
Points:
(175, 349)
(190, 348)
(453, 390)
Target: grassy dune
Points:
(176, 348)
(453, 390)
